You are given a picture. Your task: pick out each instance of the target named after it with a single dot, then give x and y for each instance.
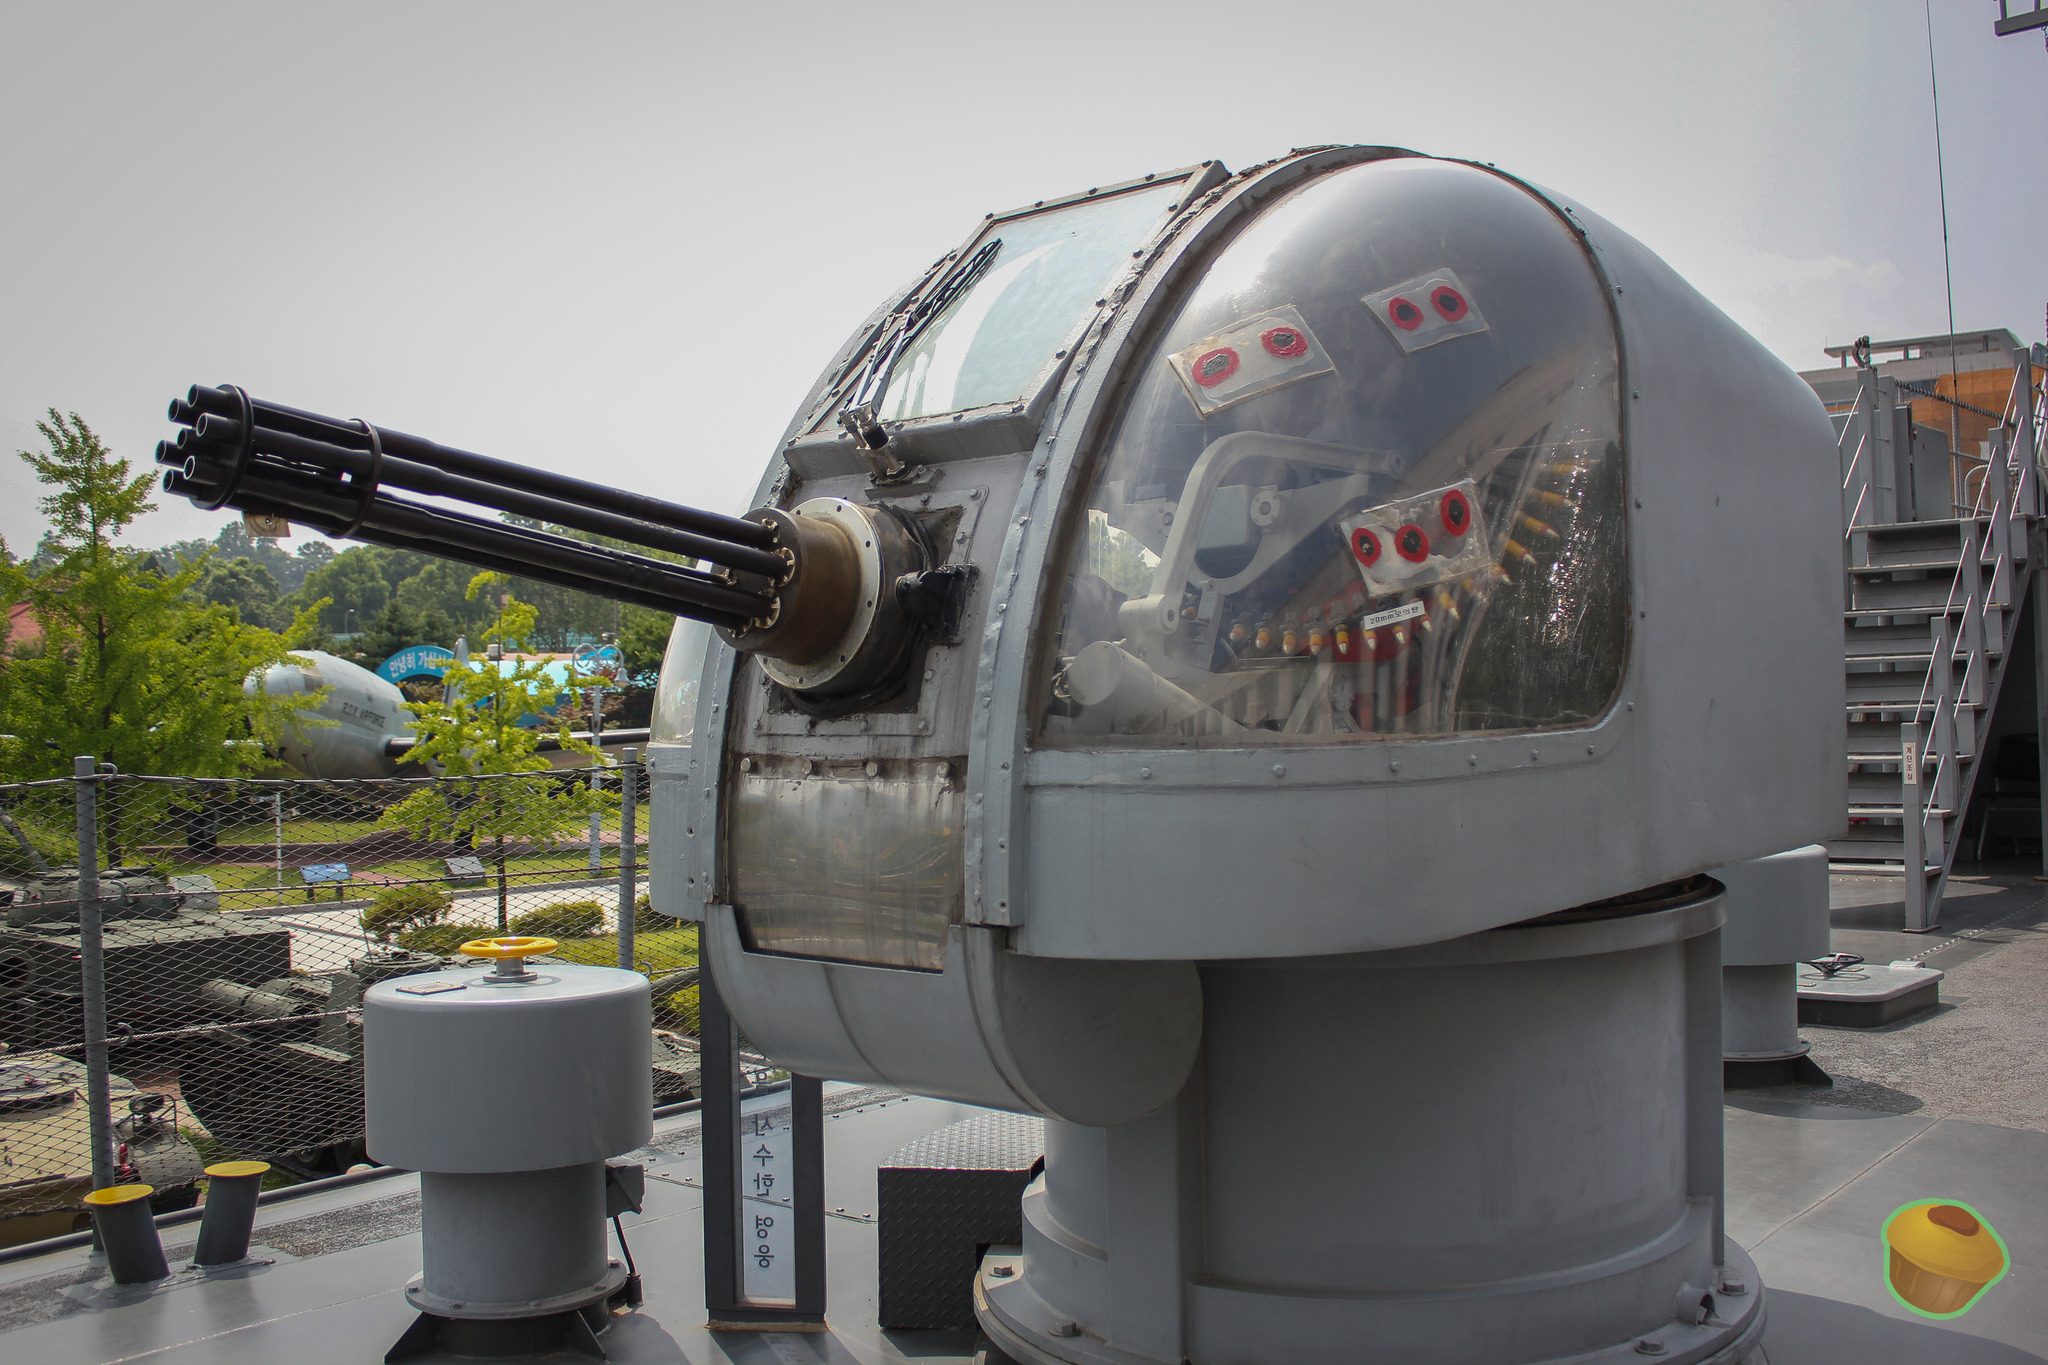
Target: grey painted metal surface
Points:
(507, 1089)
(482, 1078)
(1037, 821)
(1337, 892)
(1292, 1203)
(493, 1246)
(1809, 1188)
(1777, 918)
(1777, 908)
(1092, 1042)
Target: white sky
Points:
(621, 240)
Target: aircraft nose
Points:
(279, 680)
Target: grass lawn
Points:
(654, 950)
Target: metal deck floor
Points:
(1809, 1187)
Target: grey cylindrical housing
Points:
(511, 1245)
(464, 1077)
(1777, 916)
(1777, 908)
(1760, 1013)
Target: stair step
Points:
(1874, 867)
(1891, 850)
(1863, 694)
(1946, 567)
(1919, 660)
(1881, 739)
(1891, 597)
(1894, 812)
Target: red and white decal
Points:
(1427, 309)
(1249, 358)
(1420, 557)
(1284, 342)
(1213, 367)
(1456, 512)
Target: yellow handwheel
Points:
(501, 948)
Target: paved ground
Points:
(1983, 1053)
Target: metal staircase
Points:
(1934, 608)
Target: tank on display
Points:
(162, 946)
(45, 1134)
(1243, 666)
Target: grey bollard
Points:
(231, 1190)
(1777, 918)
(127, 1231)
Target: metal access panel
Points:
(941, 1202)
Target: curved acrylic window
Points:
(1047, 269)
(675, 695)
(1368, 481)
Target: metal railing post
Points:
(92, 973)
(629, 796)
(1913, 827)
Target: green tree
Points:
(129, 667)
(643, 640)
(397, 627)
(443, 587)
(354, 586)
(475, 731)
(243, 584)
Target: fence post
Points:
(629, 795)
(92, 973)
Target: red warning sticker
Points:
(1249, 358)
(1285, 342)
(1427, 309)
(1456, 512)
(1213, 367)
(1417, 560)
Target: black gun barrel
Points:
(337, 431)
(261, 457)
(425, 478)
(399, 524)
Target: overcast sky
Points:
(621, 240)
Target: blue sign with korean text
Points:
(416, 661)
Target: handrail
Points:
(1943, 703)
(1862, 442)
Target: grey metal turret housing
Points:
(1355, 555)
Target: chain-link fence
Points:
(200, 973)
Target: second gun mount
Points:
(831, 593)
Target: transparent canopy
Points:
(1048, 270)
(1367, 482)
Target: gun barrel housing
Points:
(336, 475)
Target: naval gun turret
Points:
(1255, 669)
